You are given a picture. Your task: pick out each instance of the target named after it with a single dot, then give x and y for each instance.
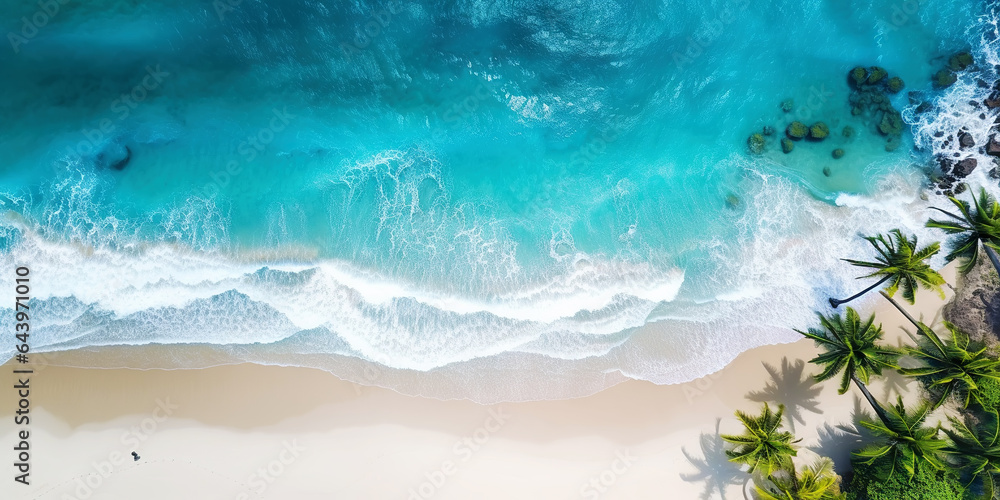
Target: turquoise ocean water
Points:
(487, 200)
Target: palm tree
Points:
(901, 261)
(949, 365)
(904, 440)
(851, 348)
(816, 482)
(972, 226)
(763, 445)
(977, 450)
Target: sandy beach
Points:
(251, 432)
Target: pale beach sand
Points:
(254, 432)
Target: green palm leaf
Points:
(949, 366)
(851, 348)
(973, 225)
(904, 439)
(763, 445)
(900, 262)
(816, 482)
(976, 448)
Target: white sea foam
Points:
(600, 316)
(589, 322)
(140, 295)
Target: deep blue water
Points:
(490, 200)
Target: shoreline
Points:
(253, 431)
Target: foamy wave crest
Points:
(400, 201)
(598, 323)
(169, 294)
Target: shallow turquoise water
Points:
(468, 182)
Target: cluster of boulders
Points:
(960, 164)
(869, 98)
(795, 131)
(871, 88)
(947, 76)
(953, 169)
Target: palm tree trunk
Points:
(993, 257)
(835, 302)
(900, 309)
(871, 400)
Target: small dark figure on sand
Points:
(135, 456)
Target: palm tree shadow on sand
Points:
(893, 383)
(714, 468)
(837, 442)
(791, 387)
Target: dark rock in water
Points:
(787, 145)
(732, 201)
(768, 130)
(975, 104)
(965, 167)
(924, 107)
(993, 101)
(994, 173)
(796, 131)
(948, 193)
(115, 156)
(965, 140)
(857, 76)
(982, 116)
(895, 84)
(838, 153)
(960, 61)
(993, 147)
(848, 131)
(826, 171)
(946, 165)
(939, 134)
(944, 79)
(876, 74)
(982, 83)
(856, 110)
(819, 131)
(959, 189)
(755, 143)
(787, 105)
(891, 124)
(892, 144)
